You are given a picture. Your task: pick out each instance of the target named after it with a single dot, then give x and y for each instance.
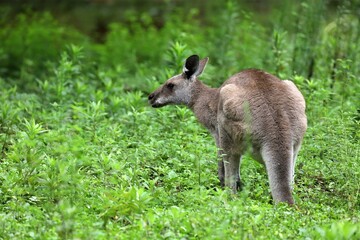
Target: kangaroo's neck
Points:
(204, 104)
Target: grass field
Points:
(83, 156)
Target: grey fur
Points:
(252, 110)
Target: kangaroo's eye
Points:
(170, 86)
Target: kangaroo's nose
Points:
(151, 96)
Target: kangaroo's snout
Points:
(151, 96)
(152, 100)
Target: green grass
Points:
(83, 156)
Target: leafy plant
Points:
(83, 156)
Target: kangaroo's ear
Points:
(191, 66)
(202, 66)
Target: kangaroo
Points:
(252, 110)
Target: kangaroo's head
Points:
(178, 89)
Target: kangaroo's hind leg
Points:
(232, 168)
(221, 171)
(296, 149)
(279, 166)
(231, 158)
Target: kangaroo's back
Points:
(266, 105)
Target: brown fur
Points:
(252, 110)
